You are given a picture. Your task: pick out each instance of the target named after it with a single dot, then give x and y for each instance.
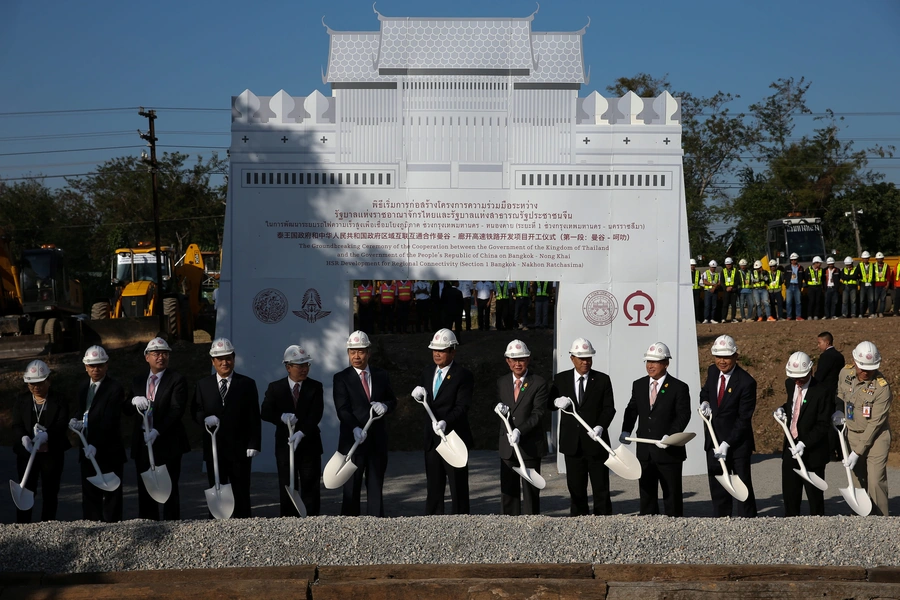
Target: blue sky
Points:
(98, 55)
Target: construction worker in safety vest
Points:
(710, 282)
(502, 318)
(776, 280)
(387, 292)
(730, 289)
(404, 301)
(523, 303)
(759, 280)
(831, 278)
(884, 279)
(696, 291)
(866, 287)
(365, 305)
(814, 293)
(745, 295)
(850, 279)
(542, 292)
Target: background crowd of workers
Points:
(751, 292)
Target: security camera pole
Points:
(154, 167)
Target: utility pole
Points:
(852, 214)
(150, 138)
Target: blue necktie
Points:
(437, 383)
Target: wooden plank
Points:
(304, 572)
(457, 589)
(275, 589)
(474, 571)
(636, 573)
(884, 575)
(750, 590)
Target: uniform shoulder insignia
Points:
(849, 366)
(881, 381)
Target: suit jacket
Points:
(452, 301)
(801, 275)
(597, 408)
(352, 407)
(829, 367)
(526, 415)
(813, 423)
(732, 420)
(451, 403)
(239, 425)
(55, 418)
(104, 422)
(310, 406)
(169, 403)
(671, 413)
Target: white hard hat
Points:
(866, 356)
(693, 263)
(358, 339)
(582, 348)
(795, 256)
(772, 262)
(295, 355)
(757, 265)
(848, 261)
(879, 255)
(221, 347)
(798, 365)
(728, 261)
(95, 355)
(36, 371)
(829, 260)
(657, 351)
(443, 339)
(157, 344)
(817, 259)
(742, 262)
(713, 264)
(724, 346)
(517, 349)
(865, 254)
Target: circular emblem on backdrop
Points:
(270, 306)
(600, 308)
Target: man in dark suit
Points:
(524, 395)
(807, 414)
(297, 399)
(729, 398)
(228, 403)
(452, 304)
(101, 403)
(663, 405)
(830, 363)
(585, 458)
(358, 389)
(447, 388)
(164, 392)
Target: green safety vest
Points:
(866, 273)
(729, 281)
(521, 288)
(501, 291)
(758, 279)
(541, 288)
(696, 280)
(815, 276)
(775, 282)
(846, 271)
(746, 281)
(881, 276)
(711, 278)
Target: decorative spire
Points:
(584, 29)
(380, 17)
(531, 16)
(327, 28)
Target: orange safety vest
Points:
(387, 293)
(365, 293)
(404, 291)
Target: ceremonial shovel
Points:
(156, 479)
(857, 498)
(621, 461)
(528, 474)
(107, 482)
(673, 439)
(340, 468)
(219, 498)
(452, 449)
(732, 483)
(802, 472)
(293, 494)
(24, 498)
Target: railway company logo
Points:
(311, 306)
(600, 308)
(642, 305)
(270, 306)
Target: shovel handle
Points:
(589, 429)
(212, 433)
(712, 434)
(372, 418)
(34, 450)
(431, 416)
(84, 443)
(149, 445)
(515, 447)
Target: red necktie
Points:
(721, 390)
(296, 394)
(365, 384)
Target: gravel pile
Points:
(80, 546)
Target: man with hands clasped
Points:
(227, 403)
(297, 400)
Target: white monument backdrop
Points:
(457, 149)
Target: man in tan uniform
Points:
(866, 398)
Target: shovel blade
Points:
(812, 478)
(531, 476)
(108, 482)
(454, 451)
(158, 483)
(220, 501)
(23, 497)
(858, 500)
(338, 471)
(734, 486)
(680, 439)
(624, 464)
(294, 495)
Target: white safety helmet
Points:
(443, 339)
(713, 264)
(693, 263)
(867, 357)
(221, 347)
(795, 256)
(817, 259)
(729, 261)
(742, 262)
(295, 355)
(772, 262)
(95, 355)
(757, 265)
(657, 351)
(879, 255)
(36, 371)
(517, 349)
(582, 348)
(865, 254)
(724, 346)
(829, 260)
(798, 365)
(157, 344)
(358, 339)
(848, 261)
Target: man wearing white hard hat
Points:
(850, 285)
(101, 403)
(831, 280)
(447, 386)
(710, 282)
(663, 405)
(776, 282)
(815, 276)
(866, 285)
(40, 417)
(728, 398)
(591, 393)
(730, 291)
(759, 280)
(884, 279)
(864, 404)
(523, 395)
(228, 403)
(807, 416)
(297, 399)
(794, 283)
(162, 393)
(356, 390)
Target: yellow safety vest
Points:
(866, 273)
(729, 281)
(815, 276)
(696, 280)
(846, 271)
(501, 291)
(711, 278)
(881, 276)
(775, 282)
(541, 288)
